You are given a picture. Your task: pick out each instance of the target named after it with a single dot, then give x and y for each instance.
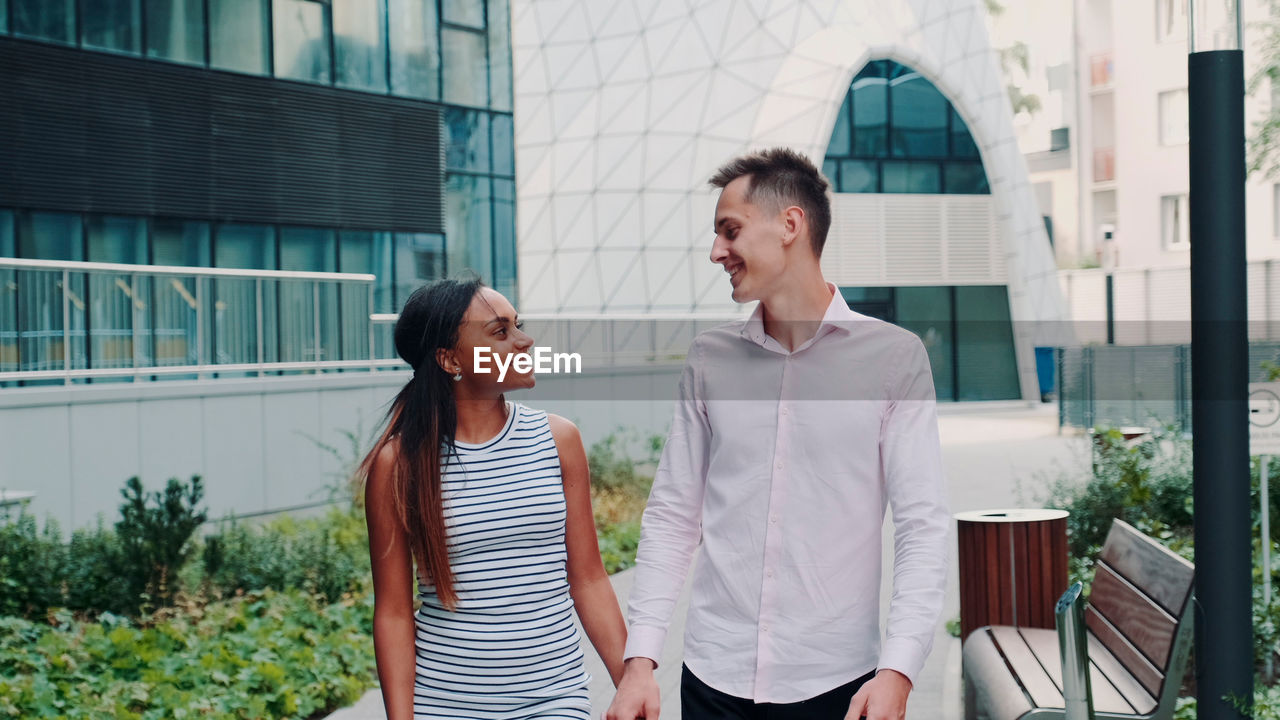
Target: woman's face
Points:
(490, 334)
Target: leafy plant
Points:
(327, 555)
(154, 532)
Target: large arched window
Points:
(897, 134)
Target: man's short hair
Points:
(780, 178)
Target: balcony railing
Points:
(73, 321)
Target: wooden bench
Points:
(1138, 634)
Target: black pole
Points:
(1111, 310)
(1219, 386)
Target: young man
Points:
(792, 431)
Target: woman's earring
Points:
(457, 375)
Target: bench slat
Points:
(1128, 656)
(1161, 573)
(1130, 688)
(1044, 645)
(990, 692)
(1041, 688)
(1148, 627)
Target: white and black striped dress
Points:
(511, 649)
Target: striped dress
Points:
(511, 649)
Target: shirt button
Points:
(779, 466)
(784, 411)
(773, 519)
(765, 628)
(768, 573)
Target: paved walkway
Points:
(996, 456)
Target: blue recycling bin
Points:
(1045, 371)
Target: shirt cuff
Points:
(902, 654)
(645, 641)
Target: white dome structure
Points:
(624, 109)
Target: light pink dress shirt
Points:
(777, 470)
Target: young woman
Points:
(491, 500)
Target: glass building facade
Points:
(897, 133)
(452, 54)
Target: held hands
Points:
(883, 697)
(637, 695)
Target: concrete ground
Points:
(996, 455)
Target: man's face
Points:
(748, 243)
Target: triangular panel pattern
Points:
(664, 91)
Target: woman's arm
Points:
(393, 627)
(589, 585)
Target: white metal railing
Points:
(75, 320)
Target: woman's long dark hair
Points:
(423, 419)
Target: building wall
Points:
(256, 442)
(1123, 116)
(622, 116)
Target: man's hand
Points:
(883, 697)
(637, 695)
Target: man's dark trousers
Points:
(699, 701)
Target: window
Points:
(238, 36)
(301, 34)
(175, 30)
(4, 16)
(468, 226)
(360, 44)
(1171, 20)
(419, 260)
(504, 148)
(179, 243)
(500, 70)
(466, 143)
(50, 236)
(247, 247)
(415, 60)
(897, 133)
(919, 114)
(1173, 117)
(841, 133)
(116, 239)
(870, 115)
(504, 238)
(859, 176)
(45, 19)
(466, 69)
(370, 253)
(1175, 222)
(7, 247)
(111, 25)
(912, 177)
(463, 12)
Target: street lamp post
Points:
(1219, 362)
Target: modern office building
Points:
(203, 203)
(624, 110)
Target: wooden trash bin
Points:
(1013, 567)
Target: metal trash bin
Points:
(1013, 567)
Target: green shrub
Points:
(328, 555)
(1148, 484)
(618, 544)
(154, 532)
(32, 567)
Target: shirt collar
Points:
(837, 318)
